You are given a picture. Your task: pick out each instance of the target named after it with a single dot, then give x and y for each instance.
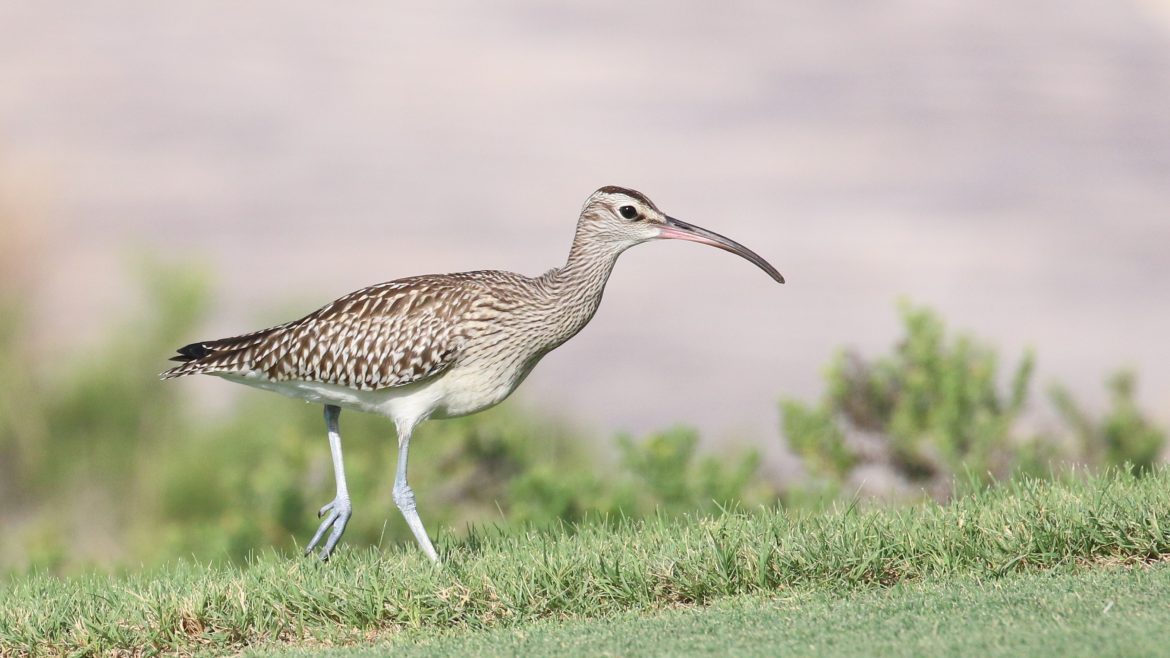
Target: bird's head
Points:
(621, 218)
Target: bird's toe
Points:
(339, 513)
(328, 506)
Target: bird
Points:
(438, 346)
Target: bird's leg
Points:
(339, 509)
(404, 495)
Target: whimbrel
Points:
(438, 346)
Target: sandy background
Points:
(1007, 163)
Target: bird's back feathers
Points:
(385, 335)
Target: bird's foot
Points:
(339, 511)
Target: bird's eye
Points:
(629, 212)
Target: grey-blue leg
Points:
(339, 510)
(404, 495)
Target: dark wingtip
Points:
(191, 352)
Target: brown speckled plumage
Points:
(406, 331)
(385, 335)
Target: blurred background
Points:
(172, 173)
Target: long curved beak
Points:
(676, 229)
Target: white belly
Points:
(457, 392)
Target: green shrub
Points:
(935, 414)
(671, 478)
(1123, 437)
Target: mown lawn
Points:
(1083, 611)
(751, 567)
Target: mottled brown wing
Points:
(386, 335)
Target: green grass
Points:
(1072, 612)
(496, 580)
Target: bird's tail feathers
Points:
(232, 354)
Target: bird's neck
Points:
(585, 273)
(575, 288)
